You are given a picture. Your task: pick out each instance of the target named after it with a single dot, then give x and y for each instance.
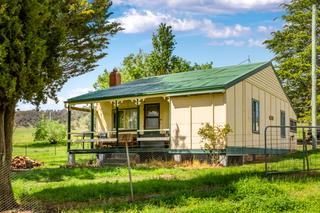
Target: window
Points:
(293, 126)
(152, 116)
(127, 119)
(255, 116)
(283, 124)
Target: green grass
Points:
(232, 189)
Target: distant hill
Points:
(30, 118)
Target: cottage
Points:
(164, 113)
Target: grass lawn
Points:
(232, 189)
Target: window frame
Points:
(123, 110)
(282, 125)
(146, 117)
(254, 119)
(293, 128)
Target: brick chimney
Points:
(114, 78)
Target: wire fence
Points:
(284, 155)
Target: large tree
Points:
(43, 43)
(160, 61)
(163, 43)
(292, 48)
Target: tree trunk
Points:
(7, 112)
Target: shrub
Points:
(51, 131)
(214, 139)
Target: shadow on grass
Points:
(59, 174)
(209, 185)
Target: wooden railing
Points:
(134, 138)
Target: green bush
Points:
(51, 131)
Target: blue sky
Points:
(223, 31)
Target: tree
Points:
(102, 81)
(50, 131)
(135, 66)
(163, 43)
(214, 138)
(43, 43)
(292, 48)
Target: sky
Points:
(226, 32)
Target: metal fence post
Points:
(265, 150)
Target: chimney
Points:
(114, 78)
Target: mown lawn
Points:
(179, 189)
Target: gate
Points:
(289, 149)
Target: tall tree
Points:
(43, 43)
(292, 47)
(163, 43)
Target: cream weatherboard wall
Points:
(264, 87)
(189, 113)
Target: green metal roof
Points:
(216, 79)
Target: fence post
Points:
(129, 170)
(303, 149)
(265, 150)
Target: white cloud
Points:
(265, 29)
(212, 31)
(233, 43)
(206, 6)
(239, 43)
(134, 21)
(255, 42)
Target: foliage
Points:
(43, 43)
(67, 38)
(102, 81)
(135, 66)
(160, 61)
(51, 131)
(163, 43)
(292, 47)
(214, 138)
